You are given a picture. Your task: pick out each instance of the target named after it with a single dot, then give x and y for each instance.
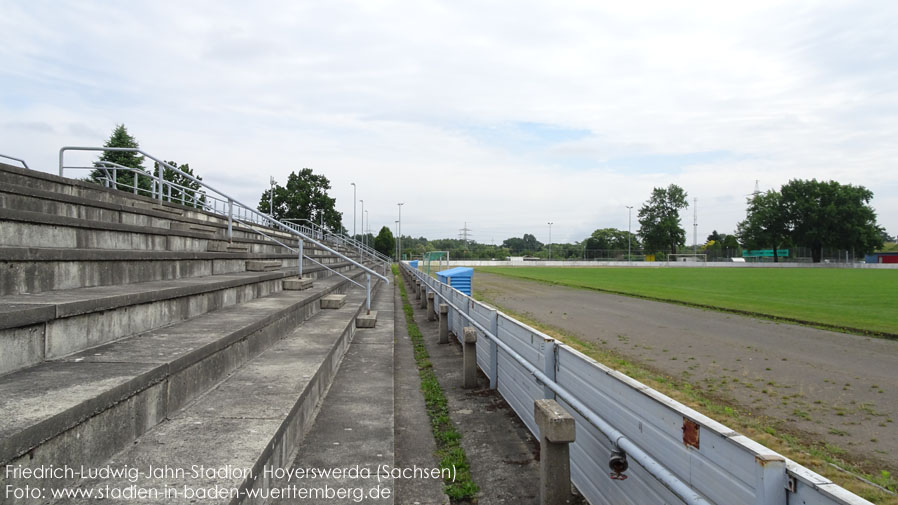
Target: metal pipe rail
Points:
(112, 181)
(15, 159)
(247, 210)
(618, 440)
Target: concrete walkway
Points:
(352, 437)
(414, 441)
(504, 457)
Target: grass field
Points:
(856, 300)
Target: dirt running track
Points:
(842, 389)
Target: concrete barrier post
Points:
(556, 432)
(417, 290)
(444, 323)
(431, 315)
(423, 303)
(469, 353)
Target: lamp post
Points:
(629, 227)
(354, 205)
(367, 228)
(271, 197)
(363, 221)
(400, 230)
(396, 246)
(550, 240)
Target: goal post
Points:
(687, 258)
(435, 256)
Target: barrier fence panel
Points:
(676, 455)
(485, 316)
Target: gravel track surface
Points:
(840, 389)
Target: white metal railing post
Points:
(161, 178)
(230, 219)
(548, 348)
(494, 352)
(300, 258)
(368, 293)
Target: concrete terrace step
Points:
(38, 269)
(355, 425)
(82, 409)
(49, 325)
(24, 228)
(33, 191)
(253, 419)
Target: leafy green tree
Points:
(384, 242)
(766, 223)
(721, 245)
(610, 238)
(304, 197)
(124, 178)
(188, 188)
(659, 220)
(829, 214)
(524, 245)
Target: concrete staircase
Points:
(134, 334)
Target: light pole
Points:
(629, 227)
(550, 241)
(354, 205)
(271, 198)
(400, 230)
(367, 228)
(396, 247)
(363, 221)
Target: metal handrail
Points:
(16, 159)
(618, 439)
(195, 197)
(161, 164)
(313, 260)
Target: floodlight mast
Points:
(355, 204)
(629, 227)
(550, 240)
(400, 230)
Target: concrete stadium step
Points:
(33, 191)
(53, 324)
(253, 419)
(355, 425)
(60, 187)
(21, 198)
(83, 409)
(29, 270)
(24, 228)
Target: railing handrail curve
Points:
(162, 163)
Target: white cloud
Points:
(392, 96)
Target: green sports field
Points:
(857, 300)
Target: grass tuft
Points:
(448, 439)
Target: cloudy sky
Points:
(505, 115)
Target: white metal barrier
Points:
(676, 455)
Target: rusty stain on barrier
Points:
(690, 432)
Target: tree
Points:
(766, 223)
(829, 214)
(610, 238)
(384, 242)
(304, 197)
(124, 178)
(525, 245)
(188, 188)
(659, 220)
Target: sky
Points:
(502, 116)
